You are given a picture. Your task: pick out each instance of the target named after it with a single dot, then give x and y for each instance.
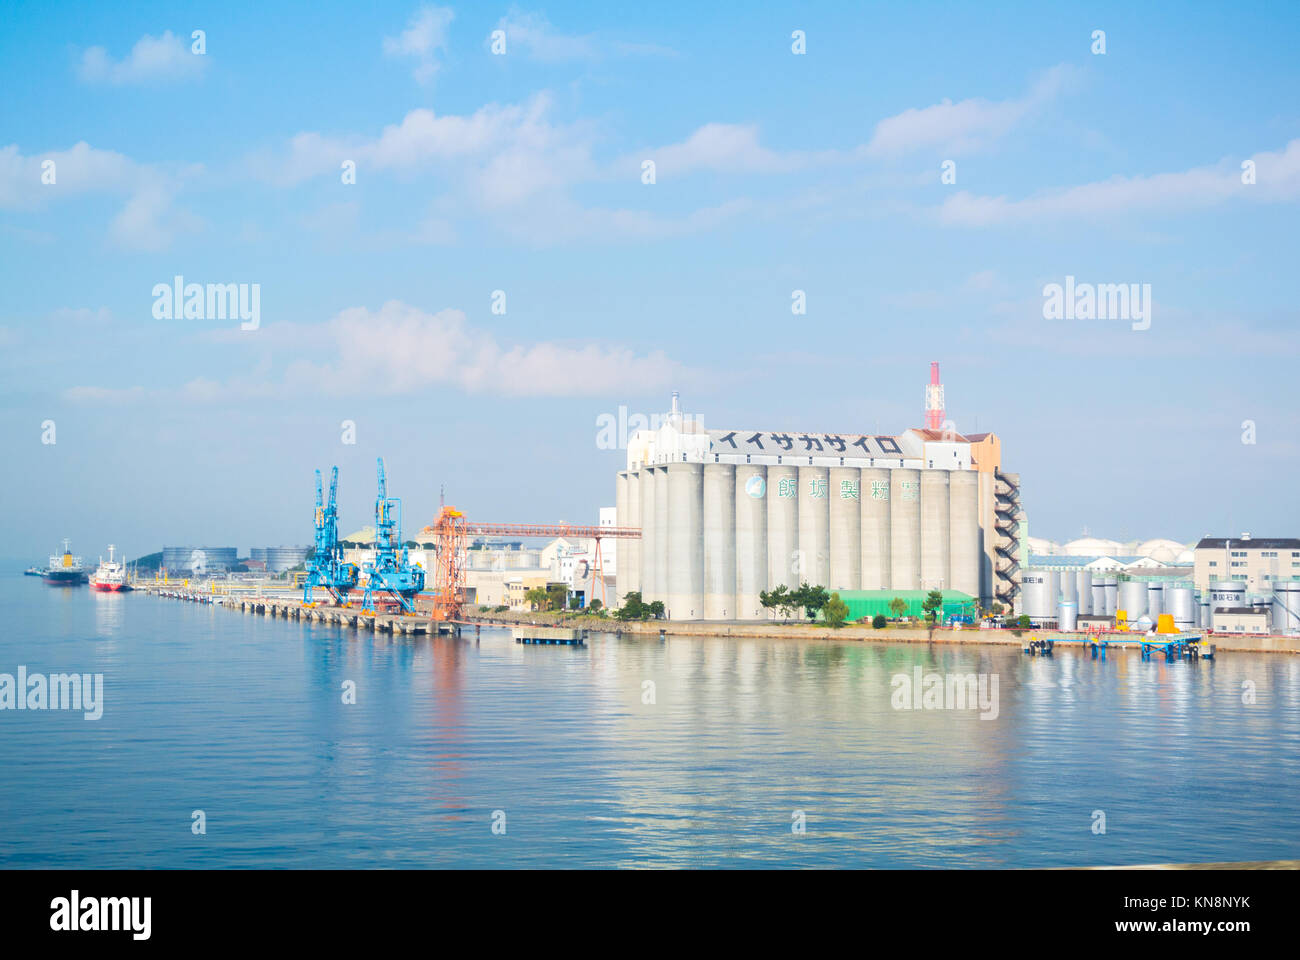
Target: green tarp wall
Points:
(868, 603)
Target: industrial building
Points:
(727, 514)
(199, 560)
(1061, 594)
(1259, 561)
(278, 559)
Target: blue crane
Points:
(391, 571)
(326, 568)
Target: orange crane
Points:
(451, 528)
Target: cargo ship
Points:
(109, 576)
(65, 570)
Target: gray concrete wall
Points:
(622, 518)
(845, 528)
(661, 534)
(685, 541)
(751, 539)
(965, 553)
(782, 526)
(814, 524)
(905, 529)
(649, 535)
(629, 551)
(936, 516)
(874, 548)
(719, 541)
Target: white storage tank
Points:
(1180, 603)
(1155, 599)
(1068, 585)
(1083, 587)
(1110, 588)
(1286, 606)
(1227, 593)
(1038, 592)
(1067, 618)
(1133, 599)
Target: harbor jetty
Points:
(291, 607)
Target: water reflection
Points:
(629, 751)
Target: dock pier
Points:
(292, 608)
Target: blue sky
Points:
(522, 172)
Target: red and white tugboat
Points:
(109, 576)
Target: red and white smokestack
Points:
(934, 399)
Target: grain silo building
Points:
(727, 514)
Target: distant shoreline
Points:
(771, 630)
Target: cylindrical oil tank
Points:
(1204, 610)
(1133, 599)
(751, 539)
(523, 559)
(1099, 597)
(1068, 586)
(814, 525)
(719, 541)
(782, 504)
(935, 530)
(1180, 603)
(1155, 599)
(649, 535)
(845, 528)
(1038, 590)
(1083, 587)
(1286, 606)
(875, 529)
(661, 533)
(1067, 615)
(685, 541)
(905, 529)
(1110, 587)
(1227, 593)
(964, 552)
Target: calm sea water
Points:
(244, 718)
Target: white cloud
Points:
(102, 395)
(562, 221)
(535, 35)
(81, 168)
(725, 148)
(1277, 180)
(966, 125)
(401, 349)
(501, 156)
(152, 58)
(150, 220)
(423, 39)
(538, 39)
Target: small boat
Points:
(65, 570)
(34, 572)
(110, 575)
